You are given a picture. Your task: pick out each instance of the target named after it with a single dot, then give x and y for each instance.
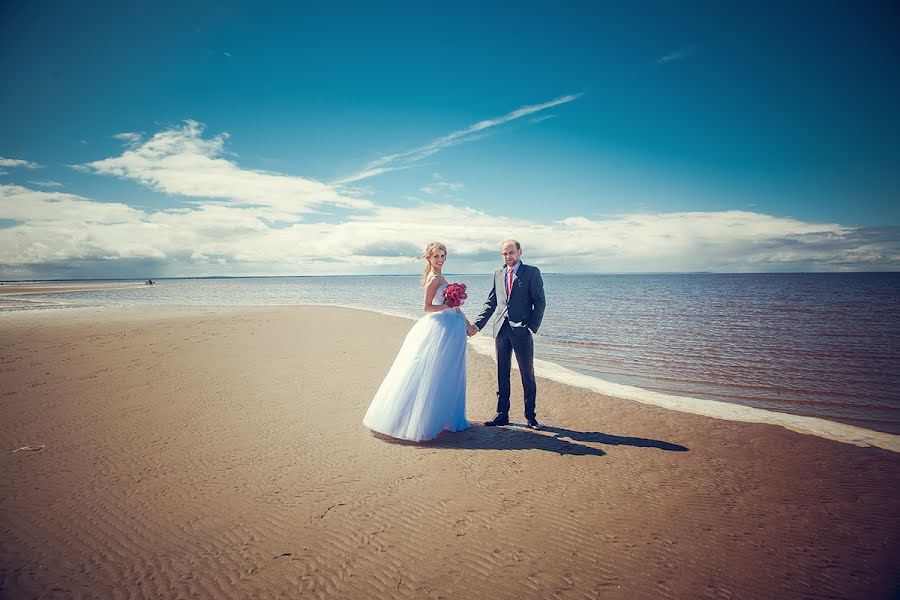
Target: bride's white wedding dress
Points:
(424, 393)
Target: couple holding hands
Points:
(424, 392)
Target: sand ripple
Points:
(219, 453)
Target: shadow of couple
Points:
(551, 439)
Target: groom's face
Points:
(511, 254)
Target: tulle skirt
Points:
(424, 392)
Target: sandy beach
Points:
(179, 452)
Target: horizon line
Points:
(579, 273)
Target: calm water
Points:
(824, 345)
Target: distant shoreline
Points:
(58, 287)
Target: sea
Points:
(824, 345)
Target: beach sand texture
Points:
(219, 453)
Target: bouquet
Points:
(455, 294)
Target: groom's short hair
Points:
(516, 242)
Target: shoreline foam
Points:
(726, 411)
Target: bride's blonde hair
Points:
(429, 250)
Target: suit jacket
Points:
(525, 304)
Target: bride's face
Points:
(437, 259)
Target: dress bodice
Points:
(439, 294)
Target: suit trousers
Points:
(520, 341)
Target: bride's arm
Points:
(430, 289)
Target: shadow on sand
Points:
(596, 437)
(551, 439)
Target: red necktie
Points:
(509, 276)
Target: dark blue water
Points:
(823, 345)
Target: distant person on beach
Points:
(149, 282)
(517, 304)
(424, 392)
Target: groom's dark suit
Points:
(514, 320)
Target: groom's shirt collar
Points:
(515, 268)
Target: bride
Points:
(424, 393)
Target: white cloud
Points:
(671, 57)
(405, 159)
(439, 187)
(46, 183)
(55, 229)
(16, 162)
(181, 161)
(32, 206)
(131, 139)
(677, 55)
(364, 175)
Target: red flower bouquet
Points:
(455, 294)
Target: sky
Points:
(225, 138)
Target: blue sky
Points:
(235, 138)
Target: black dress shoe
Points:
(499, 419)
(533, 424)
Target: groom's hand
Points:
(471, 330)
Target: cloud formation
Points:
(441, 187)
(236, 221)
(46, 183)
(180, 161)
(17, 162)
(130, 138)
(56, 233)
(676, 55)
(407, 158)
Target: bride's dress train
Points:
(424, 393)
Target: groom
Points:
(517, 303)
